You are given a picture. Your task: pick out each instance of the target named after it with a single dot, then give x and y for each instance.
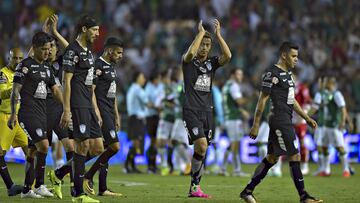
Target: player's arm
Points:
(349, 121)
(191, 52)
(117, 115)
(65, 119)
(14, 100)
(95, 106)
(260, 106)
(226, 53)
(300, 112)
(57, 93)
(5, 91)
(54, 22)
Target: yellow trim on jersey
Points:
(6, 82)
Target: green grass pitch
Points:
(164, 189)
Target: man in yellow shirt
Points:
(8, 137)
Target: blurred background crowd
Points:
(157, 32)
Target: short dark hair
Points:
(135, 75)
(41, 38)
(287, 46)
(207, 35)
(113, 42)
(233, 70)
(86, 21)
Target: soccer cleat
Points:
(108, 192)
(247, 196)
(31, 194)
(84, 199)
(306, 198)
(346, 174)
(89, 186)
(56, 183)
(136, 170)
(223, 172)
(195, 191)
(273, 173)
(324, 174)
(15, 190)
(43, 191)
(241, 174)
(165, 171)
(351, 170)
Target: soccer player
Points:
(152, 89)
(105, 91)
(199, 71)
(235, 117)
(8, 137)
(302, 96)
(278, 84)
(166, 122)
(31, 79)
(80, 103)
(136, 103)
(335, 113)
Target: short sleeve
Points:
(52, 80)
(235, 91)
(98, 72)
(70, 58)
(20, 73)
(317, 100)
(339, 99)
(268, 80)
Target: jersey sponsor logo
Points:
(82, 128)
(291, 96)
(275, 80)
(202, 69)
(48, 72)
(296, 144)
(106, 67)
(208, 65)
(112, 90)
(89, 76)
(25, 70)
(35, 71)
(283, 73)
(83, 53)
(267, 76)
(70, 54)
(34, 66)
(203, 83)
(284, 80)
(41, 91)
(76, 59)
(98, 72)
(195, 130)
(42, 74)
(112, 134)
(267, 84)
(3, 78)
(39, 132)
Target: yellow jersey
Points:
(6, 83)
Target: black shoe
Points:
(136, 170)
(247, 196)
(15, 190)
(127, 170)
(306, 198)
(351, 170)
(72, 191)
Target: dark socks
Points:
(297, 176)
(4, 172)
(78, 168)
(102, 178)
(69, 155)
(29, 174)
(170, 151)
(151, 157)
(197, 165)
(65, 169)
(40, 168)
(130, 158)
(101, 161)
(260, 173)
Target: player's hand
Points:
(342, 126)
(65, 119)
(54, 21)
(46, 26)
(117, 124)
(100, 121)
(217, 27)
(254, 131)
(350, 126)
(12, 121)
(311, 122)
(200, 27)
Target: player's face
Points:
(239, 75)
(291, 58)
(141, 79)
(116, 54)
(41, 53)
(53, 51)
(91, 34)
(16, 56)
(331, 84)
(205, 47)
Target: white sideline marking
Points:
(129, 183)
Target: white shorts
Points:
(319, 136)
(263, 135)
(235, 129)
(334, 136)
(178, 132)
(164, 130)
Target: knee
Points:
(82, 147)
(272, 158)
(341, 150)
(96, 151)
(115, 147)
(295, 157)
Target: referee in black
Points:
(278, 84)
